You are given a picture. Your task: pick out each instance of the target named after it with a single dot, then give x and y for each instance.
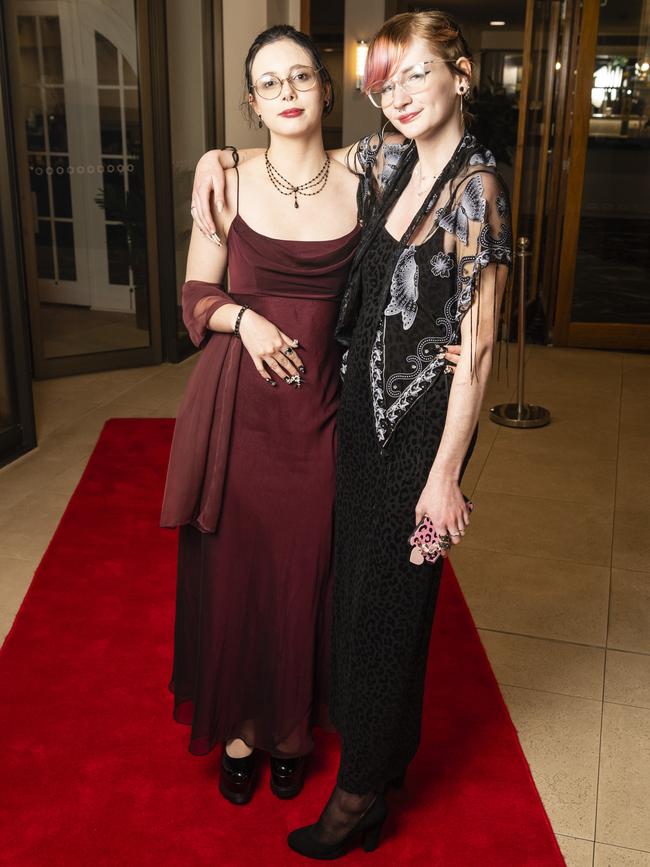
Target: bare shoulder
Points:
(252, 168)
(342, 179)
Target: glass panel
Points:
(33, 113)
(61, 187)
(65, 250)
(56, 125)
(613, 258)
(7, 407)
(29, 68)
(51, 46)
(38, 184)
(113, 191)
(44, 257)
(128, 74)
(132, 120)
(106, 61)
(89, 249)
(110, 120)
(118, 254)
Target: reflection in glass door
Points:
(17, 424)
(78, 127)
(533, 186)
(603, 298)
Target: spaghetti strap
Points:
(237, 172)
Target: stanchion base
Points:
(531, 416)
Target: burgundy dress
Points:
(251, 648)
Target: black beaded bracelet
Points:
(235, 154)
(242, 310)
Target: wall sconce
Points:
(362, 54)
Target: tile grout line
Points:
(560, 640)
(609, 603)
(568, 695)
(542, 637)
(601, 843)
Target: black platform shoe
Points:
(237, 778)
(315, 841)
(287, 776)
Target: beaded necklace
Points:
(309, 188)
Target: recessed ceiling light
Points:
(497, 23)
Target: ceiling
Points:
(473, 12)
(615, 15)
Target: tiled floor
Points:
(556, 568)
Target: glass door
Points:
(17, 427)
(603, 298)
(535, 183)
(81, 143)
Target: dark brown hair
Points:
(275, 34)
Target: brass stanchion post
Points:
(521, 414)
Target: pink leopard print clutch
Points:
(424, 540)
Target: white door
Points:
(78, 93)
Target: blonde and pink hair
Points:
(388, 47)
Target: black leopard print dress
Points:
(383, 604)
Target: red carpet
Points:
(96, 772)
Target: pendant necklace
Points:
(309, 188)
(420, 191)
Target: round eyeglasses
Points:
(269, 86)
(411, 80)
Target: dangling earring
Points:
(260, 124)
(462, 94)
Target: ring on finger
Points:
(288, 351)
(444, 537)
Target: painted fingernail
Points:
(301, 369)
(214, 237)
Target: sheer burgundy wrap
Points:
(197, 466)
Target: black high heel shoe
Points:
(287, 776)
(325, 843)
(237, 778)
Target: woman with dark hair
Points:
(252, 467)
(431, 267)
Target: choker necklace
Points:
(309, 188)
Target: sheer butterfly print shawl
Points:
(441, 266)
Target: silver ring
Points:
(455, 534)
